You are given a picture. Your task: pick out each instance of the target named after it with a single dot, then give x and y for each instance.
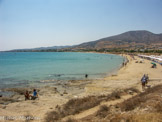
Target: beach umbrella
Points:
(153, 63)
(160, 59)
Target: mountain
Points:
(127, 40)
(53, 47)
(140, 39)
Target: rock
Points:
(58, 107)
(75, 96)
(130, 92)
(116, 106)
(55, 90)
(4, 107)
(65, 92)
(6, 103)
(65, 84)
(122, 120)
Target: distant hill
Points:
(42, 48)
(127, 40)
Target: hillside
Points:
(127, 40)
(41, 49)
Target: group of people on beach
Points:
(31, 97)
(144, 80)
(125, 61)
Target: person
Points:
(35, 95)
(27, 95)
(123, 64)
(143, 81)
(153, 66)
(86, 75)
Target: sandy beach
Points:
(50, 96)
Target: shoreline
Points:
(54, 82)
(50, 97)
(54, 76)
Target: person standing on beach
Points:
(123, 64)
(86, 75)
(143, 82)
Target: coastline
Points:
(27, 76)
(128, 76)
(49, 97)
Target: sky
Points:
(42, 23)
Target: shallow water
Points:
(28, 68)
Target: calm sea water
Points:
(20, 69)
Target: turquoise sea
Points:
(27, 68)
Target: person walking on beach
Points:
(143, 82)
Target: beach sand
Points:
(50, 96)
(128, 76)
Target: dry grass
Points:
(149, 100)
(149, 117)
(72, 107)
(140, 99)
(158, 107)
(131, 104)
(52, 116)
(71, 120)
(75, 106)
(103, 111)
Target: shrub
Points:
(103, 111)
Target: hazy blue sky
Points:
(36, 23)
